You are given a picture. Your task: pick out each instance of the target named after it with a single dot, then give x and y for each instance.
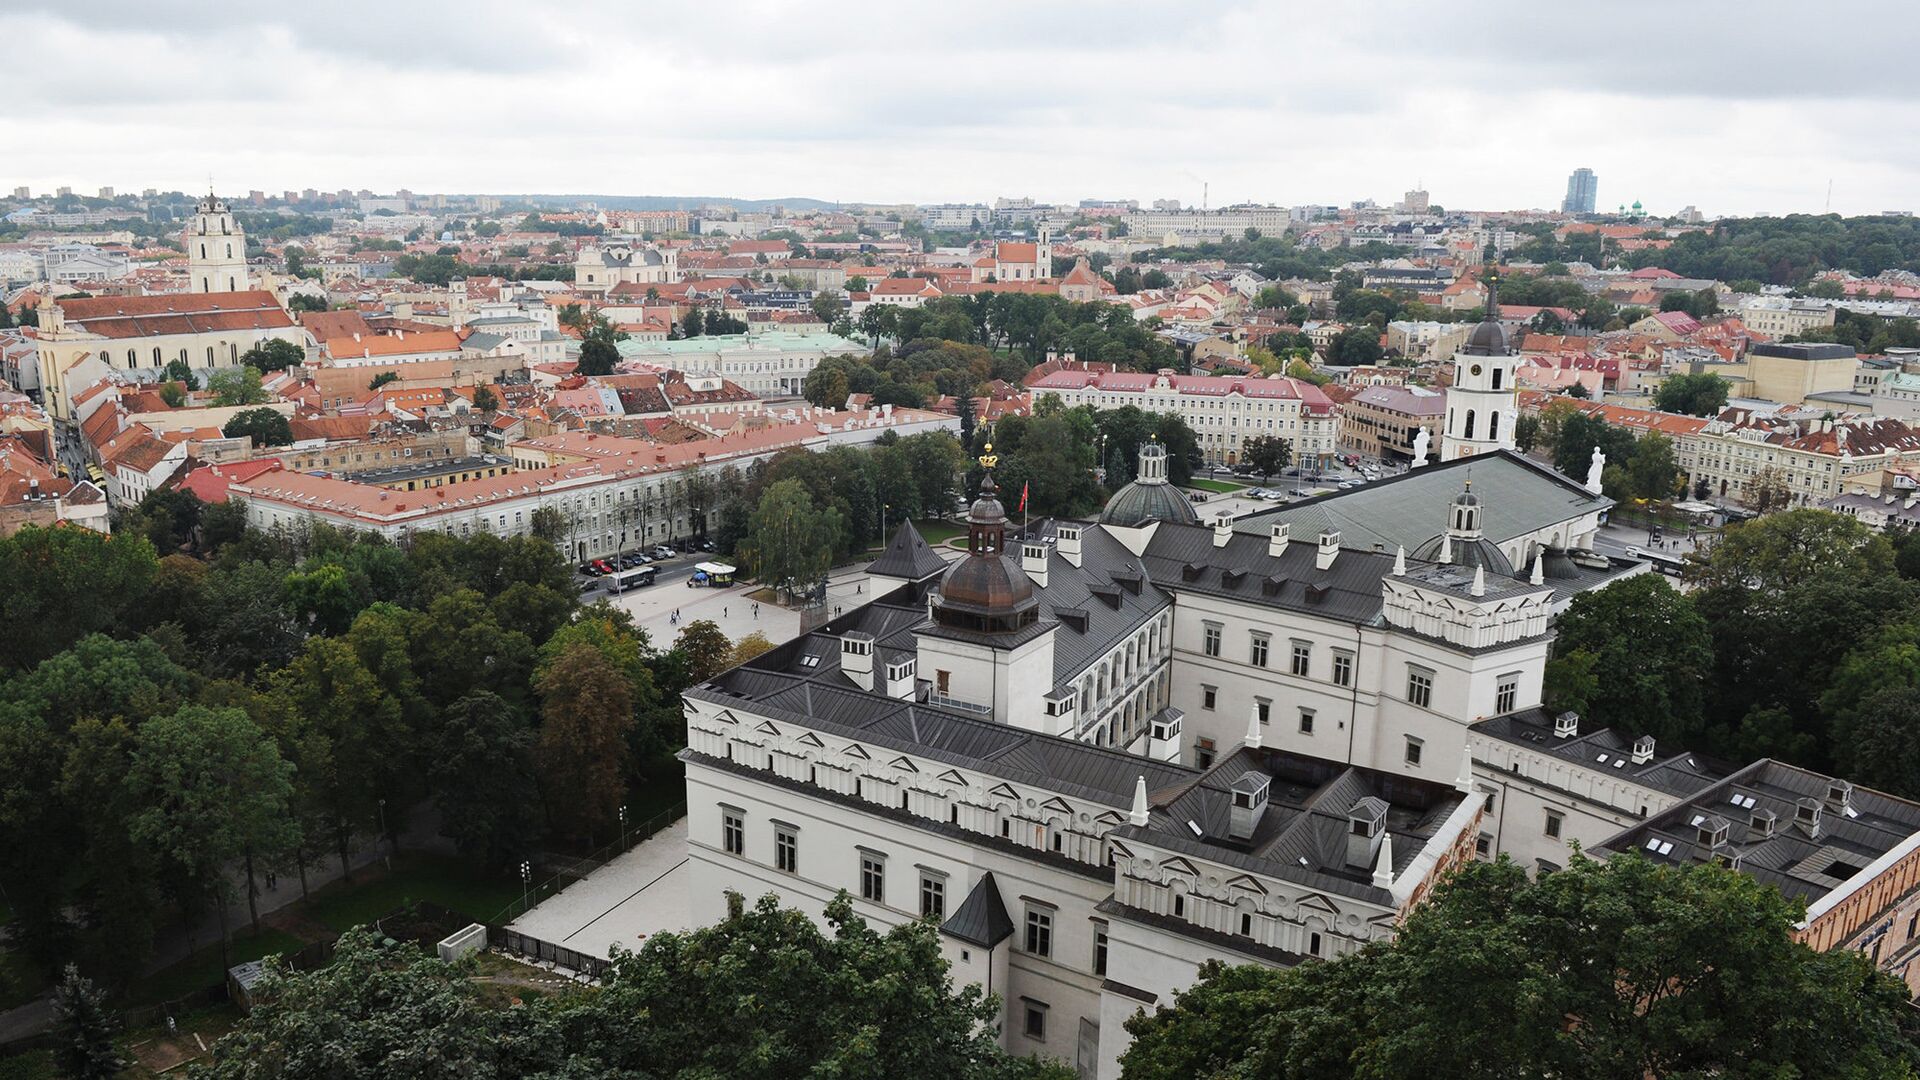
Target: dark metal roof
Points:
(1302, 836)
(982, 918)
(1517, 497)
(1605, 749)
(1802, 863)
(909, 556)
(1183, 558)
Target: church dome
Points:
(1472, 554)
(986, 592)
(1150, 497)
(1488, 339)
(1139, 503)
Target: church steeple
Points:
(216, 249)
(1482, 405)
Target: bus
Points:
(631, 579)
(1670, 565)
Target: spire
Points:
(1383, 866)
(1492, 278)
(1463, 780)
(1479, 581)
(1400, 561)
(1253, 726)
(1138, 815)
(1446, 547)
(1539, 575)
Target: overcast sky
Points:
(1736, 107)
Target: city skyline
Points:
(1074, 108)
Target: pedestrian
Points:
(273, 881)
(723, 612)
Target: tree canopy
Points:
(1607, 971)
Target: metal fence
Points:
(559, 955)
(567, 869)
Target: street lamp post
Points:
(526, 879)
(388, 858)
(623, 828)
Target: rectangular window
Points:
(1302, 657)
(1265, 709)
(1509, 691)
(1413, 750)
(1313, 944)
(933, 897)
(1419, 686)
(786, 850)
(1036, 1021)
(1039, 932)
(1553, 824)
(1306, 721)
(1210, 639)
(1257, 653)
(873, 878)
(1209, 695)
(1100, 947)
(1343, 669)
(733, 833)
(1483, 845)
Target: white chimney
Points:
(1033, 562)
(1067, 539)
(856, 658)
(1277, 543)
(1329, 550)
(1222, 531)
(1643, 750)
(900, 679)
(1249, 805)
(1366, 824)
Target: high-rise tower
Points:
(1582, 188)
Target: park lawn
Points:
(939, 531)
(452, 883)
(1217, 486)
(32, 1065)
(203, 970)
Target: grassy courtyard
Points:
(1218, 487)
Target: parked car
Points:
(586, 568)
(705, 545)
(603, 566)
(588, 586)
(663, 552)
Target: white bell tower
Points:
(1482, 404)
(216, 249)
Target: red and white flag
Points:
(1023, 494)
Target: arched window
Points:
(156, 356)
(1493, 425)
(1469, 433)
(131, 361)
(209, 356)
(203, 251)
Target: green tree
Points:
(587, 709)
(1652, 650)
(45, 569)
(173, 394)
(84, 1029)
(1652, 469)
(1772, 554)
(383, 379)
(236, 386)
(708, 651)
(828, 305)
(273, 354)
(1595, 972)
(485, 400)
(1704, 394)
(481, 773)
(214, 789)
(790, 541)
(1526, 432)
(178, 371)
(1268, 454)
(1358, 345)
(266, 427)
(599, 348)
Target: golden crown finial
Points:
(989, 459)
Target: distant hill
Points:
(677, 202)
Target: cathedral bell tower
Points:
(216, 249)
(1482, 404)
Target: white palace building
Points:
(1103, 753)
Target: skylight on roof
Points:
(1743, 801)
(1659, 846)
(1697, 819)
(1191, 824)
(1603, 759)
